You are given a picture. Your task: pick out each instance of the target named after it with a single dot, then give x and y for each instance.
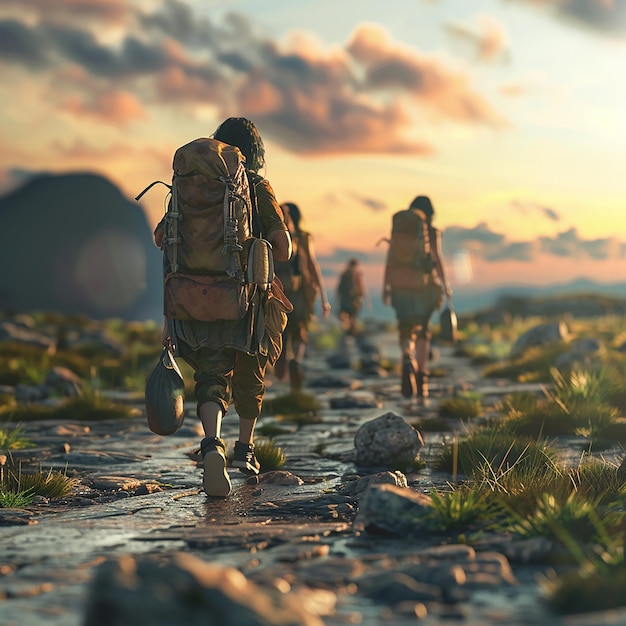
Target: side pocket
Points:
(204, 298)
(260, 270)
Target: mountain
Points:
(579, 297)
(74, 244)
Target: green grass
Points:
(296, 406)
(269, 455)
(16, 500)
(13, 439)
(461, 508)
(465, 406)
(82, 408)
(50, 484)
(493, 453)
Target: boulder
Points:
(387, 441)
(183, 589)
(392, 510)
(541, 335)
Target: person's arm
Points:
(439, 263)
(316, 272)
(281, 245)
(386, 283)
(272, 223)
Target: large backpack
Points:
(409, 261)
(208, 236)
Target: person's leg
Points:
(213, 372)
(299, 343)
(407, 334)
(248, 393)
(422, 352)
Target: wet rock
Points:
(397, 587)
(278, 477)
(64, 381)
(387, 441)
(147, 488)
(186, 590)
(581, 353)
(356, 488)
(339, 361)
(31, 393)
(113, 483)
(392, 510)
(354, 402)
(541, 335)
(14, 333)
(333, 382)
(13, 517)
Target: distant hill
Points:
(580, 297)
(74, 244)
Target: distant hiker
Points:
(351, 293)
(302, 280)
(214, 310)
(414, 284)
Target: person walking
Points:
(227, 365)
(351, 293)
(415, 284)
(302, 280)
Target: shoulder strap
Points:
(256, 216)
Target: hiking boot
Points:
(409, 385)
(244, 458)
(215, 481)
(296, 375)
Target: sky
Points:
(509, 114)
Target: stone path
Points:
(277, 533)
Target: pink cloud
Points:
(488, 37)
(447, 93)
(112, 107)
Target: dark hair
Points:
(294, 213)
(423, 203)
(241, 132)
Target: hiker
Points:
(302, 280)
(225, 354)
(415, 283)
(351, 293)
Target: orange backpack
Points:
(409, 261)
(208, 241)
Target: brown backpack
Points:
(409, 261)
(208, 241)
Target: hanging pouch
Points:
(165, 395)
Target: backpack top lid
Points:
(412, 222)
(208, 157)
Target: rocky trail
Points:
(139, 542)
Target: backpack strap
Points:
(255, 221)
(232, 245)
(172, 218)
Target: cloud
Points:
(608, 16)
(373, 204)
(485, 243)
(112, 107)
(488, 37)
(60, 11)
(390, 65)
(527, 208)
(371, 95)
